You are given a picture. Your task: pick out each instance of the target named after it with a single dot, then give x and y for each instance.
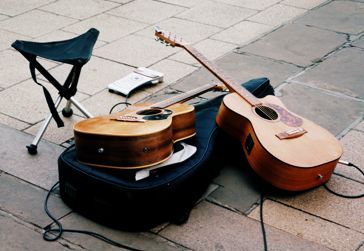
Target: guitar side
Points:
(105, 142)
(293, 164)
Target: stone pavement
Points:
(311, 50)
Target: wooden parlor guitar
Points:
(286, 150)
(139, 136)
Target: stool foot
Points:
(32, 149)
(67, 112)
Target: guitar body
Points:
(105, 141)
(286, 150)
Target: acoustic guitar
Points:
(285, 149)
(139, 136)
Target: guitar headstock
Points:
(168, 38)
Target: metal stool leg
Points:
(67, 110)
(32, 148)
(80, 107)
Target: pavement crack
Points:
(314, 215)
(360, 246)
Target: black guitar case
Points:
(114, 198)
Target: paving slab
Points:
(36, 23)
(251, 4)
(360, 127)
(7, 38)
(238, 189)
(217, 14)
(243, 33)
(147, 11)
(190, 32)
(102, 102)
(12, 122)
(331, 111)
(122, 1)
(40, 169)
(76, 8)
(243, 68)
(297, 44)
(8, 7)
(172, 70)
(140, 240)
(135, 51)
(340, 16)
(59, 35)
(211, 49)
(361, 248)
(305, 4)
(14, 236)
(2, 17)
(26, 101)
(359, 42)
(95, 75)
(277, 15)
(53, 133)
(14, 68)
(185, 3)
(212, 227)
(341, 72)
(353, 152)
(25, 201)
(308, 227)
(319, 202)
(106, 24)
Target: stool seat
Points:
(74, 51)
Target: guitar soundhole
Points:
(152, 111)
(266, 112)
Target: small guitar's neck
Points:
(231, 84)
(185, 96)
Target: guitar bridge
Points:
(291, 133)
(126, 118)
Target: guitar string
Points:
(209, 66)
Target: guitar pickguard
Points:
(286, 117)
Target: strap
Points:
(71, 81)
(47, 95)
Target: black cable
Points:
(327, 188)
(59, 230)
(343, 195)
(262, 222)
(125, 102)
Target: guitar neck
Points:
(231, 84)
(185, 96)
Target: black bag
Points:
(114, 198)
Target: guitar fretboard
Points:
(232, 84)
(184, 96)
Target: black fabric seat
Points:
(77, 52)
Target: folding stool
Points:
(76, 52)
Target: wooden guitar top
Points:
(315, 147)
